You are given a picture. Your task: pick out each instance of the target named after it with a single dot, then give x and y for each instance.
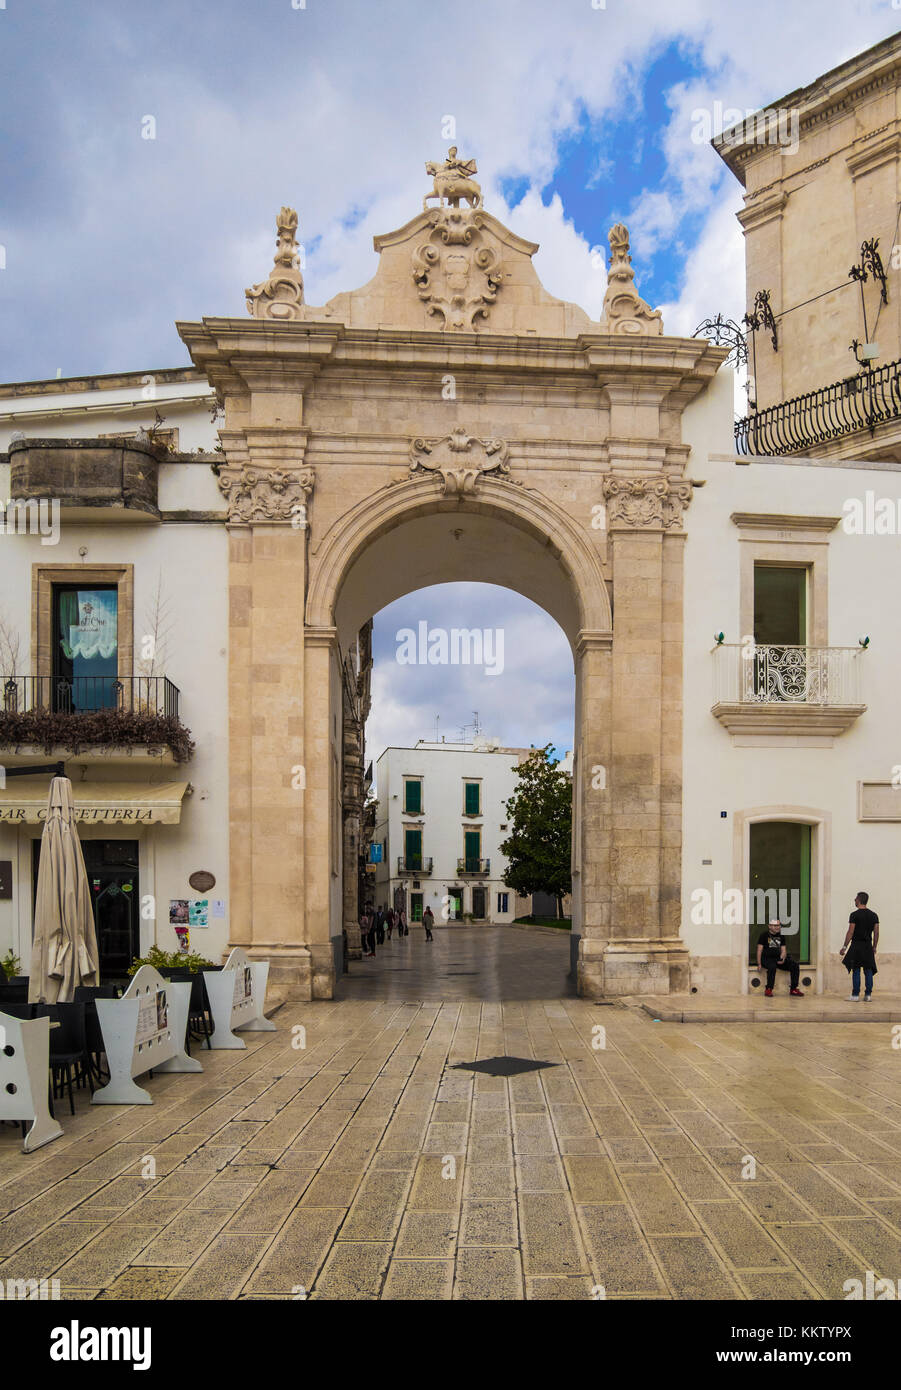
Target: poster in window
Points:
(94, 631)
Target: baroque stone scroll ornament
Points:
(460, 459)
(266, 494)
(646, 501)
(624, 309)
(281, 296)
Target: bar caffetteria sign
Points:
(127, 803)
(26, 815)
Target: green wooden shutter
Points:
(413, 797)
(472, 848)
(472, 798)
(413, 849)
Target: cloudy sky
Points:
(579, 114)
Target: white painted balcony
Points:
(787, 694)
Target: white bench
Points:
(25, 1078)
(144, 1029)
(237, 995)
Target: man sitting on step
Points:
(772, 955)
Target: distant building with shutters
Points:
(441, 820)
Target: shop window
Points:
(502, 902)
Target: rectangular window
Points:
(780, 885)
(780, 605)
(412, 849)
(472, 803)
(415, 907)
(412, 796)
(780, 670)
(472, 850)
(502, 901)
(85, 647)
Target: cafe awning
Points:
(24, 802)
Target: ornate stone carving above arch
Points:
(460, 458)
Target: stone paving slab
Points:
(681, 1161)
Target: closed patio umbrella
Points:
(64, 952)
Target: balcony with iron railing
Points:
(414, 864)
(787, 691)
(816, 418)
(476, 867)
(93, 716)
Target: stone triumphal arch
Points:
(452, 420)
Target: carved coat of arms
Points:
(457, 275)
(460, 458)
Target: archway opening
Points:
(471, 622)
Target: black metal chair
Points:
(200, 1018)
(14, 991)
(69, 1055)
(17, 1009)
(86, 994)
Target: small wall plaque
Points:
(202, 881)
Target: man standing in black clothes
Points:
(772, 955)
(859, 950)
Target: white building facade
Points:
(440, 823)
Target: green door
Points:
(780, 885)
(472, 850)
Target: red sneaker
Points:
(798, 993)
(768, 993)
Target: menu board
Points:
(243, 985)
(153, 1016)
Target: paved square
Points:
(365, 1165)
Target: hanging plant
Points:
(104, 728)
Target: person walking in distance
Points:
(402, 928)
(859, 950)
(428, 921)
(389, 922)
(772, 955)
(366, 930)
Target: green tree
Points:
(538, 849)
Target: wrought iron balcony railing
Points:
(413, 864)
(473, 866)
(787, 675)
(858, 403)
(87, 694)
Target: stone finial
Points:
(624, 309)
(281, 296)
